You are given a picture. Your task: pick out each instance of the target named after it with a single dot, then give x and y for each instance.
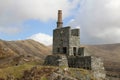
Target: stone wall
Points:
(61, 39)
(66, 41)
(83, 52)
(90, 63)
(80, 62)
(98, 68)
(74, 41)
(56, 60)
(75, 32)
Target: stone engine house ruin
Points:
(68, 52)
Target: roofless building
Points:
(68, 52)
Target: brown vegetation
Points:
(18, 52)
(23, 51)
(27, 72)
(110, 53)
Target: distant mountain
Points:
(18, 52)
(23, 47)
(110, 53)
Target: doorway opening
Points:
(64, 50)
(74, 51)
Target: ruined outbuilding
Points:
(68, 52)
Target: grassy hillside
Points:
(31, 52)
(31, 72)
(110, 53)
(23, 51)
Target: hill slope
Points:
(30, 72)
(109, 52)
(23, 47)
(111, 56)
(18, 52)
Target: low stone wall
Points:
(86, 62)
(80, 62)
(90, 63)
(56, 60)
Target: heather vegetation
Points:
(18, 56)
(37, 72)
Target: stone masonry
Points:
(66, 41)
(68, 52)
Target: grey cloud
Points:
(99, 21)
(10, 30)
(16, 12)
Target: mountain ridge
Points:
(30, 51)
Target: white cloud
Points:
(99, 21)
(77, 27)
(42, 38)
(10, 30)
(18, 11)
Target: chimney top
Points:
(59, 11)
(59, 21)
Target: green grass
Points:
(16, 71)
(81, 73)
(43, 78)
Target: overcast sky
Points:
(35, 19)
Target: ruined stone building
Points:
(68, 52)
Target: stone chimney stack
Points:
(59, 22)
